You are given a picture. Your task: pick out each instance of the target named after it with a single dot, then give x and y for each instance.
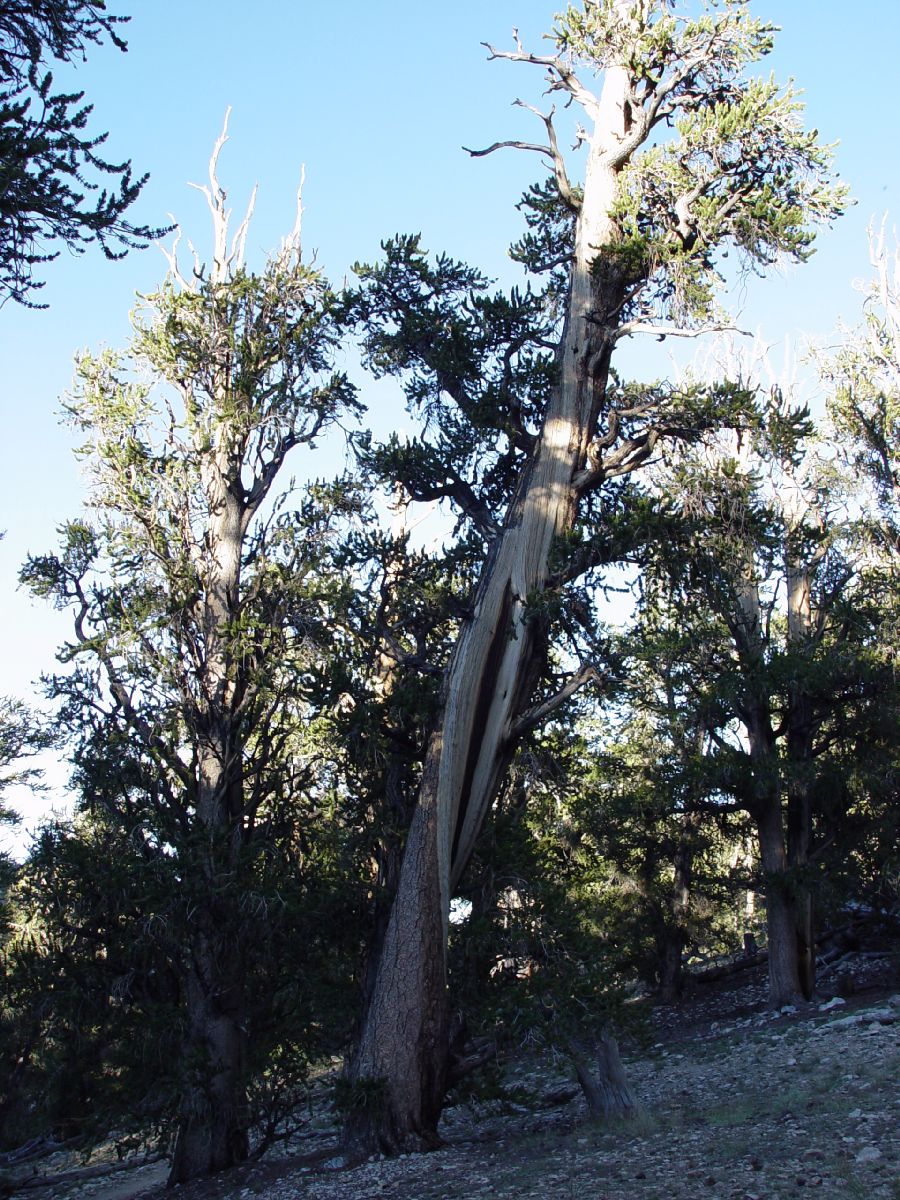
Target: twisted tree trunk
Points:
(398, 1077)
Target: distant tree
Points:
(864, 405)
(863, 377)
(21, 735)
(52, 174)
(535, 959)
(200, 615)
(665, 851)
(775, 623)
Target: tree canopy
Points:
(344, 788)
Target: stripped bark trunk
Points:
(606, 1090)
(403, 1051)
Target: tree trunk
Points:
(607, 1092)
(403, 1053)
(785, 985)
(212, 1131)
(213, 1122)
(397, 1080)
(670, 948)
(765, 800)
(799, 573)
(799, 832)
(674, 935)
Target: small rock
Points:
(834, 1002)
(868, 1154)
(888, 1015)
(787, 1009)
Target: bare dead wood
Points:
(80, 1174)
(533, 717)
(725, 970)
(463, 1065)
(606, 1090)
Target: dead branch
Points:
(560, 75)
(559, 166)
(664, 331)
(539, 149)
(81, 1174)
(538, 713)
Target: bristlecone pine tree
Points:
(685, 157)
(754, 523)
(192, 617)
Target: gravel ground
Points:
(735, 1104)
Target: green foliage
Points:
(719, 159)
(93, 1006)
(50, 164)
(202, 608)
(534, 963)
(784, 701)
(474, 371)
(864, 401)
(22, 735)
(359, 1095)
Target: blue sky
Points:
(377, 101)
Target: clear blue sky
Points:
(377, 100)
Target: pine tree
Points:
(199, 611)
(686, 157)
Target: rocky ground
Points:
(736, 1103)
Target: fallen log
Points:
(78, 1175)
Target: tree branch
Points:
(559, 166)
(627, 458)
(664, 331)
(535, 716)
(560, 75)
(464, 495)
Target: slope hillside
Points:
(737, 1103)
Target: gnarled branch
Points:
(560, 75)
(538, 713)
